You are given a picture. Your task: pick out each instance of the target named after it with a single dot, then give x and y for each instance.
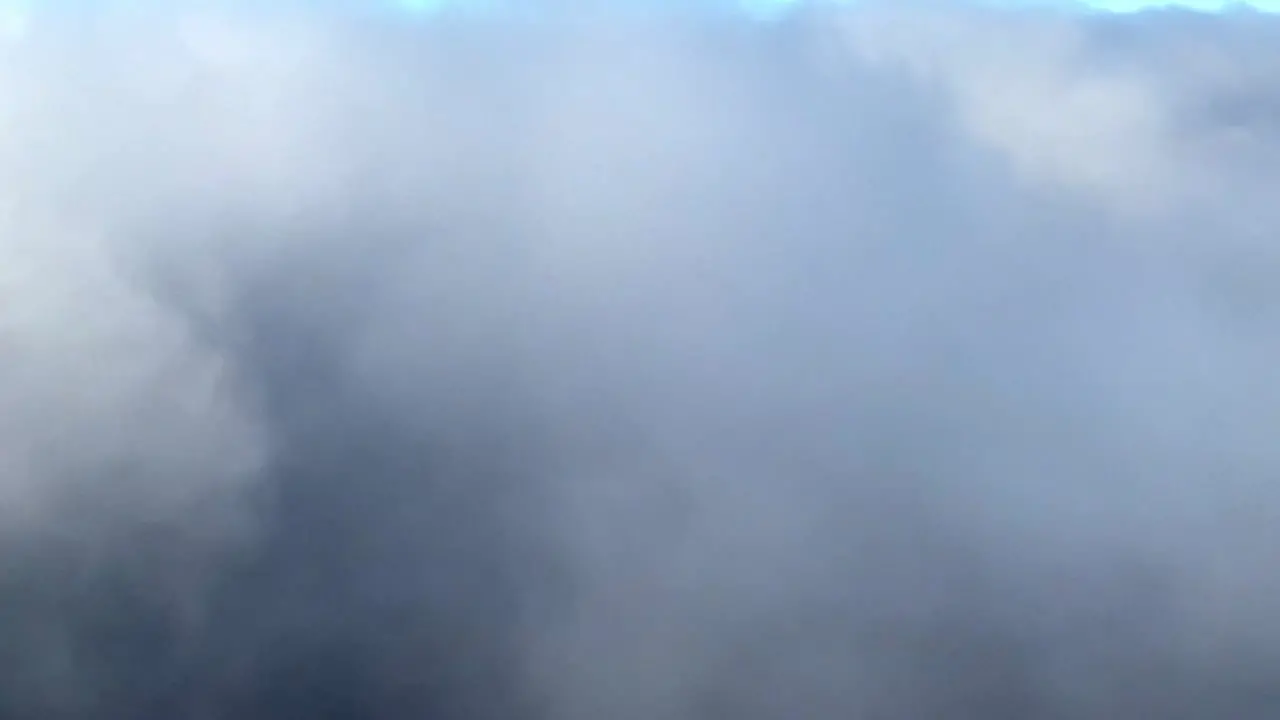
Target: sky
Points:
(774, 7)
(896, 362)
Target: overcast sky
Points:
(891, 362)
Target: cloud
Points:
(877, 362)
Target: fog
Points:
(879, 363)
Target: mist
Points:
(875, 363)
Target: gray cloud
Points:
(886, 363)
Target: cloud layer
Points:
(878, 363)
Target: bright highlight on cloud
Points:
(898, 363)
